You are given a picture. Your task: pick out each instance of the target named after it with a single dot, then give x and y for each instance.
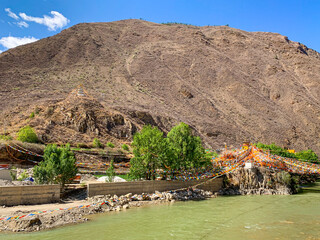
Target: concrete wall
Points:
(24, 195)
(5, 174)
(122, 188)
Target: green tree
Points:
(308, 155)
(185, 150)
(110, 172)
(27, 134)
(58, 166)
(149, 149)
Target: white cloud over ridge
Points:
(23, 24)
(11, 42)
(53, 23)
(11, 14)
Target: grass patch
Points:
(5, 137)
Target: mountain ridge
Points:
(228, 84)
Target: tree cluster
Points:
(179, 151)
(58, 166)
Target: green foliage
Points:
(179, 151)
(109, 144)
(125, 147)
(27, 134)
(31, 115)
(23, 176)
(308, 155)
(305, 155)
(276, 150)
(110, 172)
(5, 137)
(96, 143)
(149, 149)
(58, 166)
(185, 150)
(13, 173)
(210, 154)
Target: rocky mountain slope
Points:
(229, 85)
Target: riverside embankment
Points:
(226, 217)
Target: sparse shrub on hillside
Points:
(5, 137)
(125, 147)
(177, 23)
(31, 115)
(37, 110)
(27, 134)
(96, 143)
(109, 144)
(49, 111)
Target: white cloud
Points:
(53, 23)
(11, 14)
(23, 24)
(1, 51)
(11, 42)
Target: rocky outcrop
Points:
(259, 181)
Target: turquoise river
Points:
(236, 217)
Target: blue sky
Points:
(23, 21)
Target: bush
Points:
(27, 134)
(5, 137)
(96, 143)
(276, 150)
(58, 166)
(23, 176)
(109, 144)
(110, 172)
(305, 155)
(32, 115)
(308, 155)
(125, 147)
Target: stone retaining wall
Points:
(122, 188)
(24, 195)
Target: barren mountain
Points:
(228, 84)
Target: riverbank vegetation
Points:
(180, 150)
(304, 155)
(58, 166)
